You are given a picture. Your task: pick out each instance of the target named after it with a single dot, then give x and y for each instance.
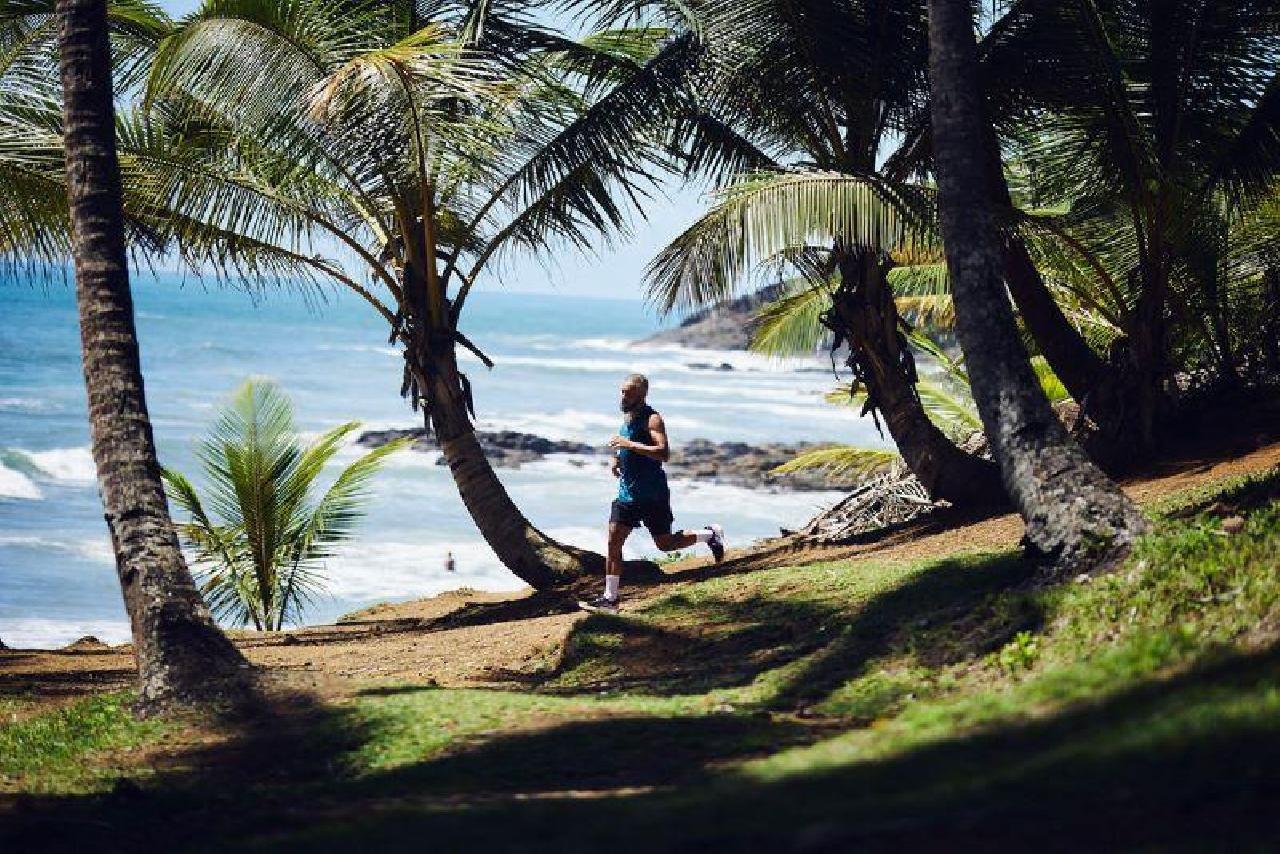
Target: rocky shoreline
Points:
(727, 325)
(733, 463)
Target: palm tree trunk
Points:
(182, 657)
(1072, 360)
(1072, 510)
(864, 314)
(1066, 351)
(531, 555)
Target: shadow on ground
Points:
(948, 613)
(1159, 766)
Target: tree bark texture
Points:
(864, 314)
(1073, 512)
(1064, 348)
(534, 558)
(182, 657)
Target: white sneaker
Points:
(716, 543)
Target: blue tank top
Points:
(642, 478)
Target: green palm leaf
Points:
(259, 561)
(792, 325)
(765, 215)
(841, 461)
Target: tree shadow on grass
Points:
(1186, 762)
(1157, 767)
(952, 610)
(227, 769)
(597, 755)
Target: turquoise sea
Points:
(559, 361)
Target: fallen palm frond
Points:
(886, 501)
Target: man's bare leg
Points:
(712, 535)
(613, 560)
(674, 542)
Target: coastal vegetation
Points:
(280, 139)
(1078, 196)
(890, 699)
(259, 553)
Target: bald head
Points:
(635, 388)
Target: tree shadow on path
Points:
(946, 612)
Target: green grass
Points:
(859, 704)
(47, 752)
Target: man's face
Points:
(632, 397)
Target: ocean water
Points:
(559, 362)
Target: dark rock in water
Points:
(504, 448)
(735, 463)
(741, 464)
(707, 366)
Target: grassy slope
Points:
(821, 707)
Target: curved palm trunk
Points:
(531, 555)
(1072, 510)
(1072, 360)
(182, 657)
(864, 312)
(1070, 357)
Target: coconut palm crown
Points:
(400, 150)
(261, 544)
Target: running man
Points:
(643, 495)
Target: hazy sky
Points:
(616, 273)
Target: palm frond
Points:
(333, 518)
(792, 325)
(841, 461)
(1052, 387)
(766, 215)
(953, 412)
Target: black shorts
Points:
(656, 515)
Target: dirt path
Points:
(468, 638)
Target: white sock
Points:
(704, 535)
(611, 583)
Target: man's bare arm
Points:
(659, 450)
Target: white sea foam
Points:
(713, 500)
(613, 345)
(785, 392)
(71, 465)
(578, 424)
(42, 633)
(554, 467)
(15, 484)
(382, 350)
(595, 539)
(97, 549)
(387, 570)
(23, 404)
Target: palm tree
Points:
(1155, 126)
(791, 104)
(182, 657)
(260, 558)
(1071, 509)
(947, 398)
(420, 146)
(34, 224)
